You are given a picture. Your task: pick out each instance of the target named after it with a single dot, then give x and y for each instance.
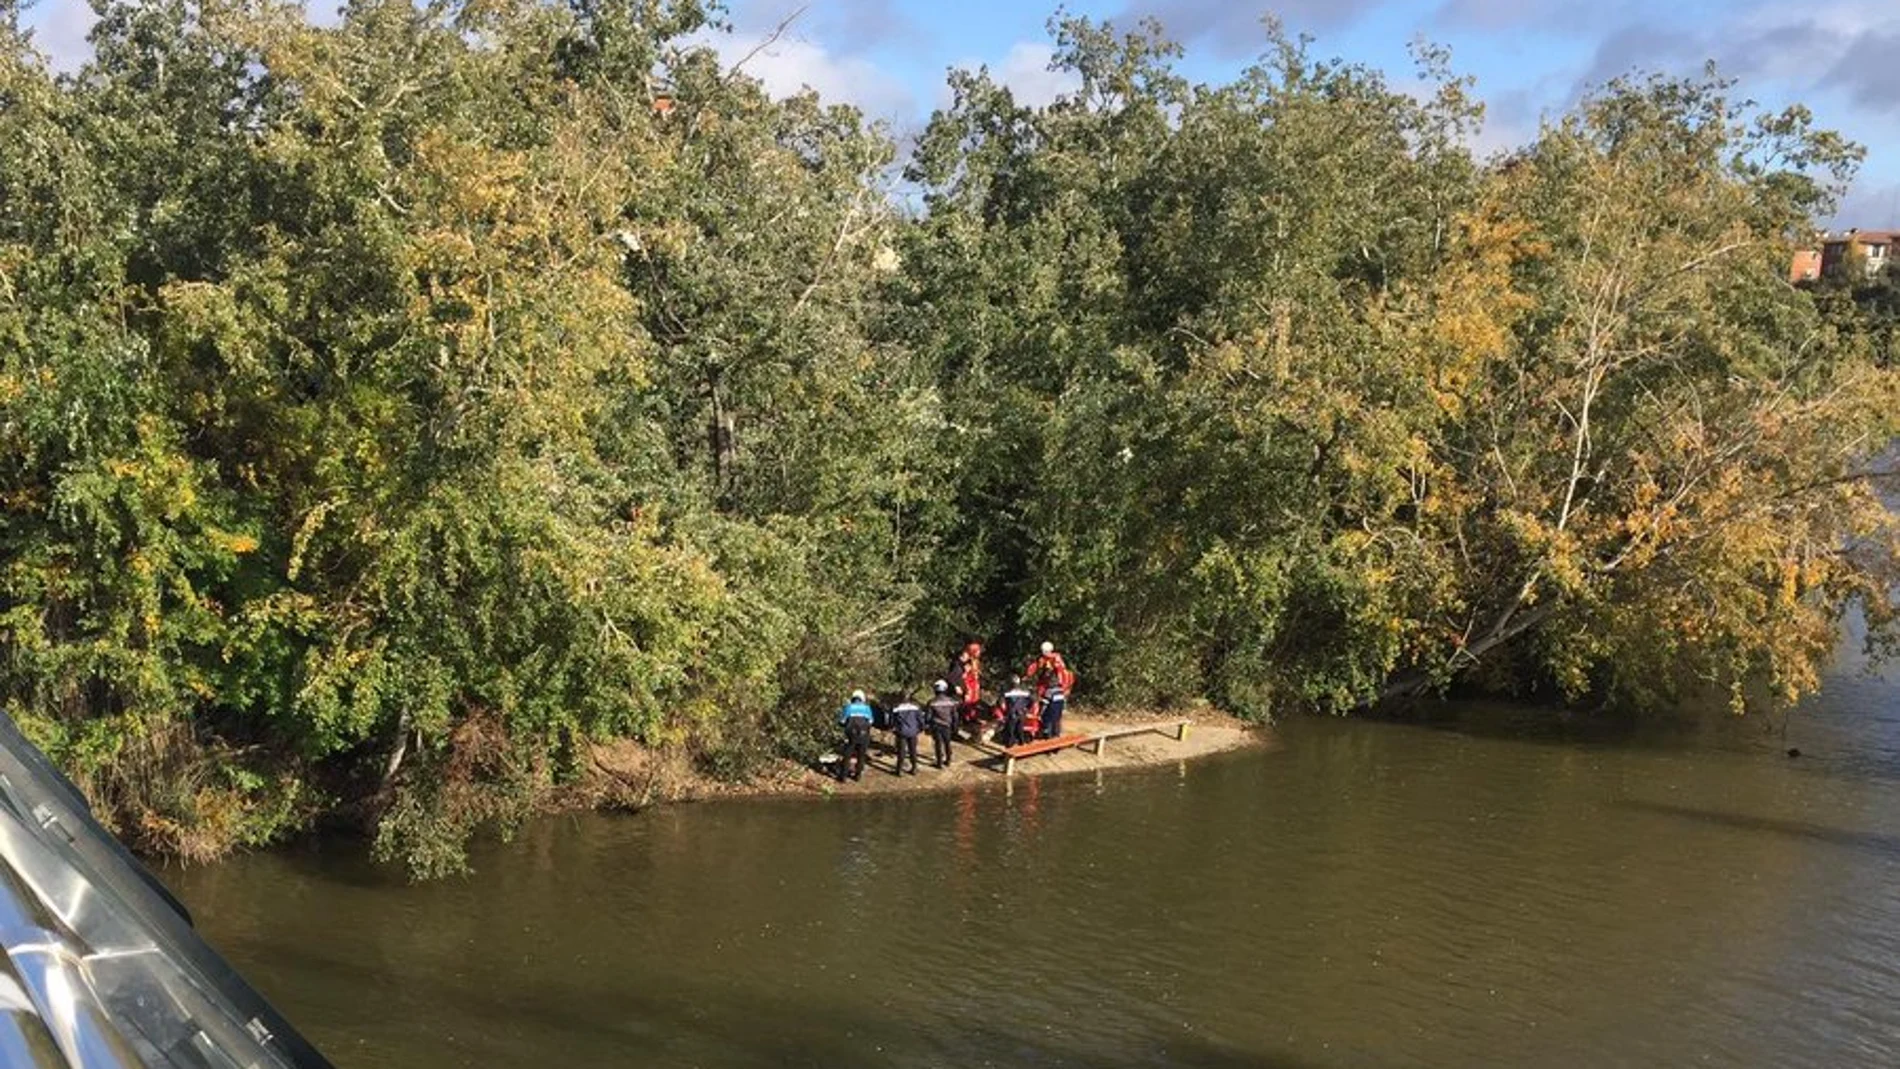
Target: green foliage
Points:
(357, 394)
(1197, 396)
(1298, 405)
(389, 411)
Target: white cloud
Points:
(1796, 46)
(1870, 206)
(1539, 16)
(1233, 28)
(846, 26)
(59, 30)
(1025, 70)
(1502, 134)
(788, 65)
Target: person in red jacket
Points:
(1048, 672)
(965, 676)
(1053, 680)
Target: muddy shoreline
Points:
(629, 776)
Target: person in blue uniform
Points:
(1015, 702)
(943, 722)
(907, 722)
(1054, 701)
(855, 718)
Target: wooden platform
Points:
(1178, 727)
(1031, 749)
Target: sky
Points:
(1531, 58)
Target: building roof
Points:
(1865, 237)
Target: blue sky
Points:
(1532, 58)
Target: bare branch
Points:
(770, 40)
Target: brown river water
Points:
(1499, 888)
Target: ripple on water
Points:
(1497, 888)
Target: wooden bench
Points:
(1178, 727)
(1031, 749)
(1098, 738)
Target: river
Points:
(1500, 887)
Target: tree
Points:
(1310, 409)
(385, 492)
(393, 411)
(1670, 454)
(1187, 386)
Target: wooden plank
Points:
(1178, 727)
(1060, 742)
(1099, 739)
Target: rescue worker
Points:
(1015, 710)
(943, 722)
(1053, 703)
(965, 676)
(907, 722)
(855, 718)
(1049, 670)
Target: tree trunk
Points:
(396, 755)
(720, 437)
(1413, 684)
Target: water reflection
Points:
(1884, 844)
(1485, 889)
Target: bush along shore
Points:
(395, 413)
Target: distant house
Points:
(1806, 266)
(1874, 249)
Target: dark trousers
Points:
(906, 747)
(1013, 733)
(1052, 717)
(940, 743)
(857, 747)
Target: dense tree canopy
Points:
(393, 409)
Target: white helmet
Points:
(940, 686)
(1048, 648)
(857, 695)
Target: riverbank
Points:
(626, 775)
